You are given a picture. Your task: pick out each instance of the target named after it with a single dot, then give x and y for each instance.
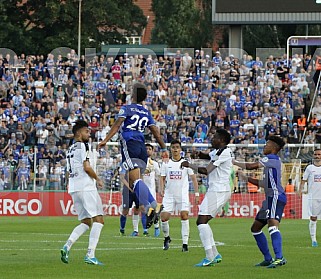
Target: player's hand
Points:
(100, 183)
(101, 145)
(185, 164)
(165, 156)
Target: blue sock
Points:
(144, 221)
(143, 194)
(122, 222)
(276, 242)
(262, 243)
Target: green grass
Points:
(30, 248)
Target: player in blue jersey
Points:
(273, 206)
(131, 123)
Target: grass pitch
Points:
(30, 248)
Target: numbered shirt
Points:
(137, 118)
(79, 180)
(313, 175)
(176, 177)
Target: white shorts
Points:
(314, 207)
(87, 204)
(172, 203)
(213, 203)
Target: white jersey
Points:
(219, 178)
(176, 177)
(312, 175)
(152, 171)
(79, 180)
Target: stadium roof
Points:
(263, 11)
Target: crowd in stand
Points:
(190, 95)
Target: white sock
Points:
(165, 228)
(94, 238)
(185, 231)
(76, 233)
(214, 249)
(135, 219)
(313, 230)
(206, 237)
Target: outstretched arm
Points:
(202, 170)
(248, 166)
(113, 130)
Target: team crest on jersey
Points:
(265, 159)
(317, 178)
(175, 175)
(121, 111)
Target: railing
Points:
(47, 175)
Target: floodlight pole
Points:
(79, 28)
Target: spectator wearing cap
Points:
(294, 134)
(284, 126)
(198, 62)
(116, 71)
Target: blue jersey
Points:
(272, 177)
(137, 118)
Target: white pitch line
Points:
(100, 249)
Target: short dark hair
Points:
(139, 92)
(176, 141)
(79, 124)
(224, 135)
(278, 140)
(149, 145)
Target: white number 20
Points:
(139, 124)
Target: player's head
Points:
(149, 149)
(273, 145)
(317, 156)
(176, 148)
(139, 92)
(81, 131)
(221, 139)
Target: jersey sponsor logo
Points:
(317, 178)
(175, 175)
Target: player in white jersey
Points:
(151, 179)
(312, 175)
(176, 193)
(81, 186)
(218, 193)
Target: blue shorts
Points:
(134, 155)
(271, 209)
(143, 194)
(129, 198)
